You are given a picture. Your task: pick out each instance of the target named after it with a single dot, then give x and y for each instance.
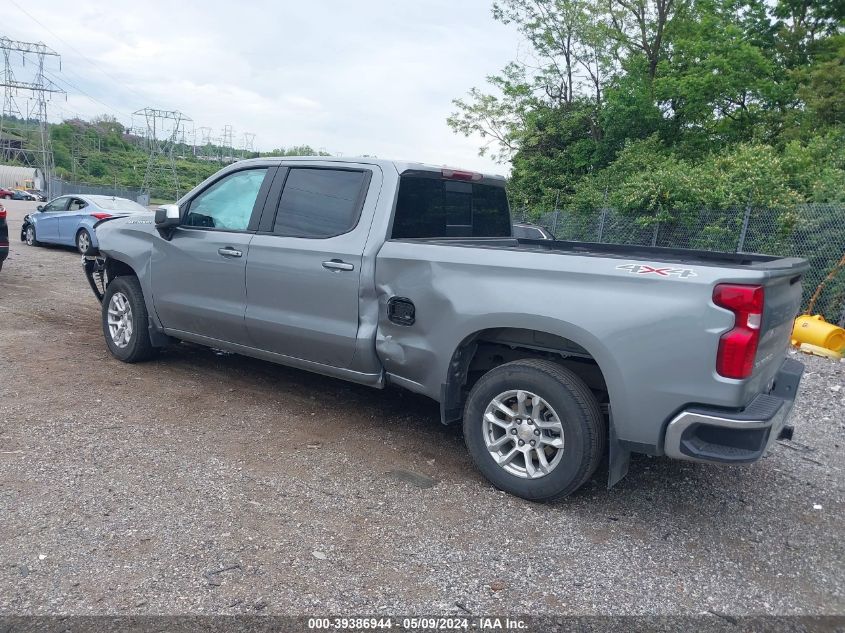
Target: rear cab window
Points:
(430, 206)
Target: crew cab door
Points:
(198, 275)
(304, 265)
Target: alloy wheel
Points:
(523, 434)
(120, 320)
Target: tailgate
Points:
(781, 305)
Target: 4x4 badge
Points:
(642, 269)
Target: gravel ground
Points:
(215, 484)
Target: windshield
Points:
(117, 204)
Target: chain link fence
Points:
(813, 231)
(64, 187)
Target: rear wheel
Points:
(83, 241)
(534, 429)
(125, 321)
(29, 235)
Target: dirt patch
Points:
(123, 487)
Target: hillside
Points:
(103, 151)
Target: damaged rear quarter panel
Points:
(654, 337)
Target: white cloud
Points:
(374, 77)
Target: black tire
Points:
(584, 427)
(89, 248)
(138, 348)
(33, 241)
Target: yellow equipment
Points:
(816, 331)
(815, 350)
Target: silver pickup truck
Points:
(553, 354)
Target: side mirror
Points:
(166, 219)
(40, 207)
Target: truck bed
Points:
(630, 251)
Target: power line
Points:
(73, 48)
(17, 140)
(67, 82)
(78, 89)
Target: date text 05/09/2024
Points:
(477, 623)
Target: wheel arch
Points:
(91, 235)
(116, 267)
(490, 347)
(572, 347)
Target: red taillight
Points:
(101, 216)
(2, 212)
(738, 346)
(455, 174)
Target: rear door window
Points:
(320, 203)
(436, 207)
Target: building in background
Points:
(17, 177)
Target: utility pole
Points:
(19, 142)
(163, 132)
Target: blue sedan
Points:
(70, 220)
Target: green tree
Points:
(737, 92)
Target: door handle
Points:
(336, 264)
(229, 252)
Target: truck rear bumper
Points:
(705, 434)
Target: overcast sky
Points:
(367, 77)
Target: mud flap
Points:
(618, 456)
(159, 338)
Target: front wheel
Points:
(534, 429)
(125, 321)
(29, 235)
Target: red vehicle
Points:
(6, 193)
(4, 236)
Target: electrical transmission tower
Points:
(85, 143)
(207, 150)
(227, 147)
(188, 138)
(248, 145)
(163, 132)
(24, 134)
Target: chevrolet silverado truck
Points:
(554, 355)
